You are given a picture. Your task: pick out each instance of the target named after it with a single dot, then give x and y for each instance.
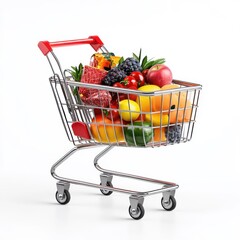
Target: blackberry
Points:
(173, 134)
(114, 75)
(130, 65)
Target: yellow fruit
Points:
(100, 61)
(129, 110)
(149, 88)
(145, 102)
(114, 61)
(157, 119)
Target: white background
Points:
(200, 41)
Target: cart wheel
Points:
(138, 214)
(170, 205)
(105, 191)
(63, 199)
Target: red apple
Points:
(159, 75)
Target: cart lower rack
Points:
(170, 114)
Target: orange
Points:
(159, 134)
(179, 115)
(169, 103)
(164, 102)
(105, 131)
(180, 94)
(170, 86)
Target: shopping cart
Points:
(84, 130)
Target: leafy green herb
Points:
(147, 63)
(76, 72)
(121, 60)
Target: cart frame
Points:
(68, 106)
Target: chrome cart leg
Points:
(62, 194)
(168, 200)
(166, 186)
(136, 209)
(106, 175)
(62, 186)
(106, 180)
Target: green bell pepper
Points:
(138, 133)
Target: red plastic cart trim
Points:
(80, 130)
(46, 46)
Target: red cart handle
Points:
(94, 41)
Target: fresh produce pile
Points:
(132, 116)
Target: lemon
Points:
(145, 102)
(157, 119)
(129, 110)
(149, 88)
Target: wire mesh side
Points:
(180, 105)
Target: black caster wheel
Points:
(138, 213)
(170, 205)
(105, 191)
(63, 198)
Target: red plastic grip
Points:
(46, 46)
(80, 130)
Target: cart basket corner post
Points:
(84, 131)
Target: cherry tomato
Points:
(132, 96)
(114, 102)
(129, 81)
(97, 111)
(139, 78)
(122, 96)
(112, 113)
(118, 84)
(144, 73)
(114, 94)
